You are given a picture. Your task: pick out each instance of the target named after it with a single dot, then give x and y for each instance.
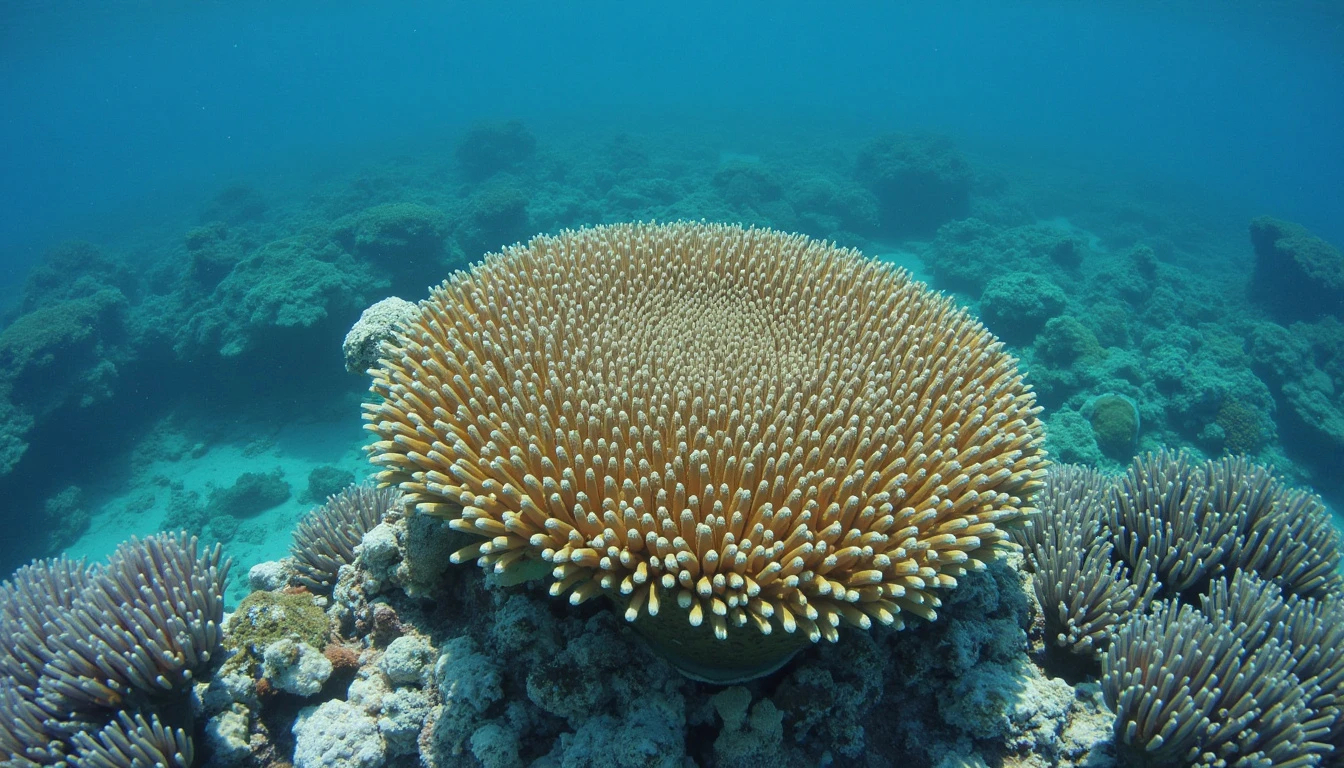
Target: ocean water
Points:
(199, 199)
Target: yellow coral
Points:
(747, 428)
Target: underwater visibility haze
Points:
(704, 384)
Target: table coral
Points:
(730, 564)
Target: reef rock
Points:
(1298, 276)
(376, 324)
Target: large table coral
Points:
(745, 438)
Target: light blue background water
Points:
(119, 111)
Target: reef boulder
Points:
(1298, 276)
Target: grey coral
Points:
(325, 538)
(91, 655)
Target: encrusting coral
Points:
(729, 431)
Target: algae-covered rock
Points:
(1016, 306)
(235, 204)
(644, 736)
(748, 737)
(376, 324)
(61, 340)
(493, 216)
(469, 683)
(75, 269)
(65, 518)
(263, 618)
(326, 481)
(297, 282)
(490, 148)
(337, 735)
(407, 660)
(396, 233)
(1242, 427)
(403, 242)
(210, 254)
(1064, 341)
(60, 355)
(496, 746)
(227, 736)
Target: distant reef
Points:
(1106, 298)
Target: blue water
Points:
(118, 109)
(118, 122)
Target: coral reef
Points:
(757, 506)
(1298, 276)
(920, 182)
(494, 675)
(377, 652)
(490, 148)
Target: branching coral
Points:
(36, 595)
(87, 654)
(156, 608)
(1103, 547)
(1255, 675)
(1085, 592)
(1165, 511)
(751, 430)
(1193, 521)
(1311, 629)
(133, 741)
(325, 538)
(1188, 690)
